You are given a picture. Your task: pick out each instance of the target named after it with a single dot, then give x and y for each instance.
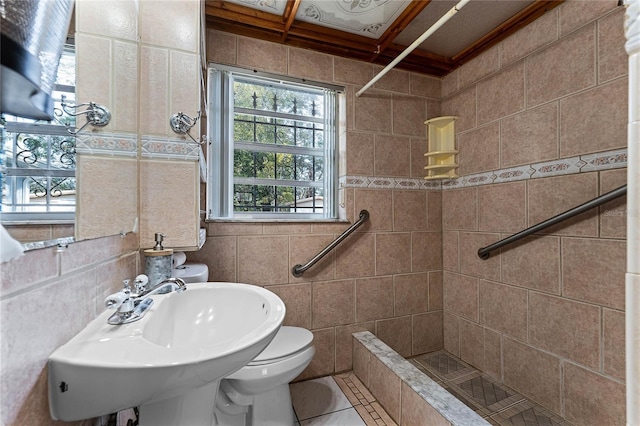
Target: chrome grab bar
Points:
(485, 252)
(298, 270)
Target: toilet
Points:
(258, 393)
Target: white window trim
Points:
(221, 155)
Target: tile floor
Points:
(343, 400)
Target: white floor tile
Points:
(316, 397)
(348, 417)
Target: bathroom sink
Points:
(170, 362)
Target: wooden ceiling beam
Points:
(408, 14)
(290, 12)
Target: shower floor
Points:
(495, 402)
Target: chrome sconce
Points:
(181, 123)
(96, 114)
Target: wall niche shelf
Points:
(441, 152)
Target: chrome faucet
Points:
(131, 306)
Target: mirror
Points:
(106, 160)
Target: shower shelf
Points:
(441, 155)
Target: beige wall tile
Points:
(502, 94)
(470, 263)
(29, 233)
(409, 210)
(538, 33)
(411, 293)
(348, 71)
(425, 86)
(530, 136)
(582, 387)
(227, 228)
(361, 358)
(612, 57)
(344, 344)
(109, 19)
(396, 332)
(614, 343)
(262, 55)
(486, 63)
(435, 290)
(393, 253)
(460, 295)
(434, 108)
(392, 155)
(593, 270)
(98, 215)
(450, 251)
(450, 83)
(409, 113)
(395, 80)
(583, 118)
(374, 298)
(184, 86)
(125, 69)
(574, 14)
(550, 196)
(479, 150)
(323, 362)
(502, 207)
(451, 331)
(379, 205)
(221, 47)
(533, 262)
(459, 209)
(94, 61)
(434, 210)
(418, 160)
(154, 89)
(355, 257)
(302, 248)
(428, 335)
(613, 215)
(310, 65)
(297, 300)
(535, 373)
(463, 105)
(385, 387)
(564, 327)
(105, 284)
(291, 228)
(85, 253)
(472, 344)
(504, 308)
(493, 354)
(373, 111)
(417, 412)
(360, 154)
(170, 24)
(263, 260)
(573, 59)
(333, 303)
(426, 251)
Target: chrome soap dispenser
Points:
(158, 262)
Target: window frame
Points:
(222, 145)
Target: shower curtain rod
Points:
(415, 44)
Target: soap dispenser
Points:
(158, 262)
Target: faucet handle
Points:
(125, 284)
(140, 283)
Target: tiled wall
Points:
(386, 277)
(48, 296)
(546, 315)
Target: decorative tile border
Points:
(102, 143)
(565, 166)
(168, 148)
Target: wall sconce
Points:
(97, 115)
(441, 152)
(181, 123)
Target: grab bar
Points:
(298, 270)
(484, 252)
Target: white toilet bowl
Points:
(258, 393)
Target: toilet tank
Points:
(191, 272)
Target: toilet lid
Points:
(288, 340)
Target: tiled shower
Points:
(542, 128)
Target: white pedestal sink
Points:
(169, 363)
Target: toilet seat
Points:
(288, 341)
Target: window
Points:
(272, 147)
(38, 159)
